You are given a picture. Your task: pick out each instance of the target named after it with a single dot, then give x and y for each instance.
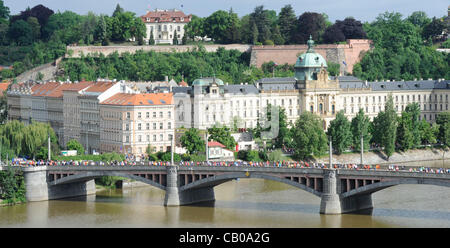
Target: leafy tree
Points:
(222, 135)
(309, 23)
(433, 29)
(73, 144)
(286, 22)
(428, 132)
(35, 27)
(333, 34)
(232, 32)
(414, 112)
(21, 32)
(4, 11)
(192, 141)
(101, 33)
(443, 120)
(151, 41)
(261, 19)
(360, 125)
(340, 133)
(385, 128)
(118, 10)
(309, 137)
(405, 138)
(419, 18)
(334, 68)
(195, 27)
(39, 11)
(175, 38)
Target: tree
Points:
(414, 112)
(151, 41)
(117, 11)
(175, 38)
(192, 141)
(286, 22)
(433, 29)
(101, 33)
(405, 138)
(4, 11)
(21, 32)
(261, 19)
(35, 27)
(195, 27)
(333, 34)
(419, 18)
(443, 120)
(340, 133)
(309, 139)
(360, 126)
(428, 132)
(385, 127)
(309, 23)
(222, 135)
(73, 144)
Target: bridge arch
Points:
(372, 188)
(85, 176)
(226, 177)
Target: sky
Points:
(364, 10)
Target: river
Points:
(239, 203)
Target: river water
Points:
(239, 203)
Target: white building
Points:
(163, 24)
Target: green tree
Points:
(217, 24)
(222, 135)
(286, 22)
(195, 27)
(73, 144)
(414, 112)
(360, 125)
(340, 133)
(309, 137)
(443, 120)
(151, 41)
(4, 11)
(261, 19)
(101, 33)
(428, 132)
(192, 141)
(405, 138)
(175, 38)
(21, 32)
(385, 127)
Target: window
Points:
(332, 109)
(154, 126)
(139, 138)
(160, 114)
(128, 115)
(148, 126)
(154, 114)
(139, 114)
(161, 125)
(311, 108)
(178, 28)
(161, 137)
(127, 139)
(147, 115)
(169, 114)
(169, 125)
(127, 127)
(154, 137)
(139, 126)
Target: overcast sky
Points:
(364, 10)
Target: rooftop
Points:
(146, 99)
(166, 15)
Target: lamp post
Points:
(206, 141)
(362, 147)
(331, 153)
(49, 149)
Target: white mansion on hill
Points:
(115, 116)
(164, 24)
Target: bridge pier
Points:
(330, 202)
(175, 197)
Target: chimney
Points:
(166, 78)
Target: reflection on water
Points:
(243, 203)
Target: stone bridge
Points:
(340, 190)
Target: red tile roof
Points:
(100, 86)
(3, 87)
(183, 84)
(148, 99)
(215, 144)
(166, 16)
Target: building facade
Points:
(210, 101)
(129, 123)
(165, 25)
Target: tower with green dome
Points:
(309, 64)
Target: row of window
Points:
(398, 98)
(142, 138)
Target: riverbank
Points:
(375, 157)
